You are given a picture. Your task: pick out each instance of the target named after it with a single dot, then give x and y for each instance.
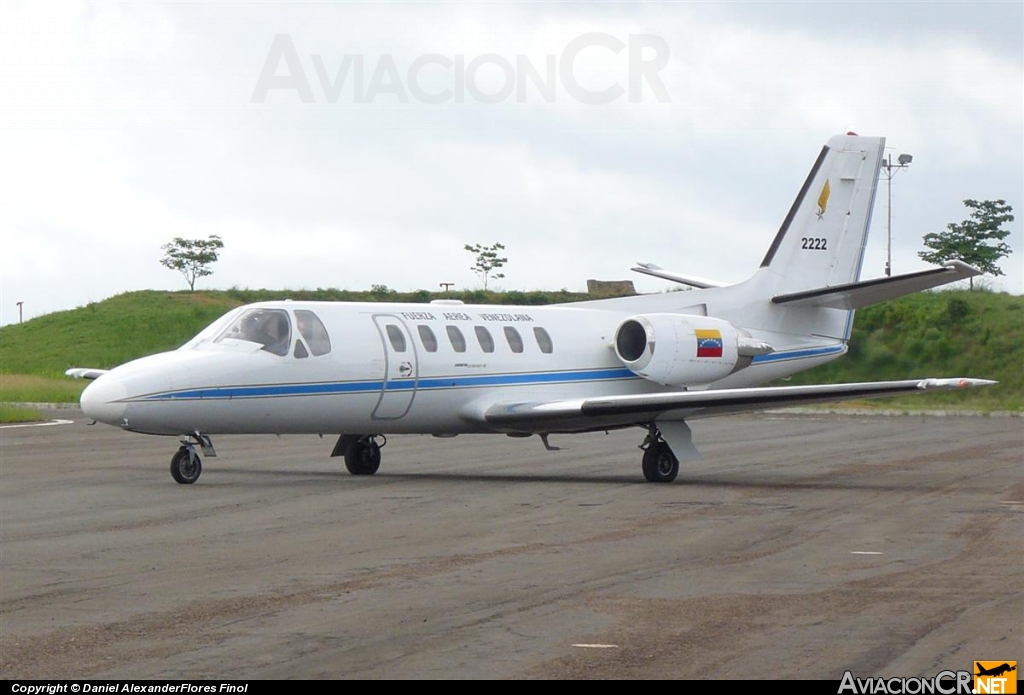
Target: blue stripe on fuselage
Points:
(224, 392)
(449, 382)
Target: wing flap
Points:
(623, 410)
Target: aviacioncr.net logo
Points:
(943, 683)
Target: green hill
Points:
(956, 333)
(953, 333)
(105, 334)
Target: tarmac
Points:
(803, 546)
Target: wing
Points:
(612, 411)
(85, 373)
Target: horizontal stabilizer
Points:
(631, 409)
(658, 272)
(855, 295)
(85, 373)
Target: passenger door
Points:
(400, 368)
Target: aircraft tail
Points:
(808, 285)
(821, 241)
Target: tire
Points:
(660, 464)
(363, 457)
(185, 469)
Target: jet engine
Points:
(682, 350)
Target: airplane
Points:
(994, 671)
(364, 371)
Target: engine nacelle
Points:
(677, 349)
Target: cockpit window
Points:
(312, 329)
(213, 331)
(269, 328)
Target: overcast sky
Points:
(307, 136)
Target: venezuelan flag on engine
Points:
(709, 342)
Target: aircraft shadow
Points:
(626, 478)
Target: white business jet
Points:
(367, 370)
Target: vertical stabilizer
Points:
(821, 242)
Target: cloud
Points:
(126, 125)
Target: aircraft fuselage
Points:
(390, 368)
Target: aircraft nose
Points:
(100, 400)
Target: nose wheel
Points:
(186, 466)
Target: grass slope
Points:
(937, 334)
(105, 334)
(9, 415)
(956, 333)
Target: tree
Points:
(192, 257)
(967, 241)
(487, 261)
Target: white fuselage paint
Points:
(364, 385)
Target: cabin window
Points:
(396, 337)
(458, 341)
(543, 340)
(483, 336)
(300, 350)
(269, 328)
(428, 338)
(312, 329)
(515, 341)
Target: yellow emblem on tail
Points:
(823, 199)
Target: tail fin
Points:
(821, 242)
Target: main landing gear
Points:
(186, 466)
(660, 464)
(361, 452)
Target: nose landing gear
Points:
(186, 466)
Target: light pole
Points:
(890, 169)
(19, 311)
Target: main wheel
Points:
(185, 469)
(363, 457)
(660, 464)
